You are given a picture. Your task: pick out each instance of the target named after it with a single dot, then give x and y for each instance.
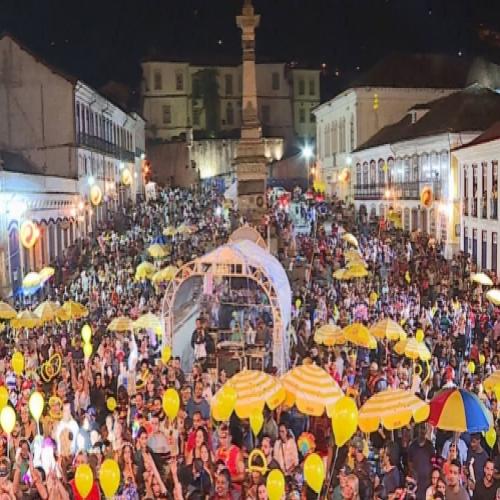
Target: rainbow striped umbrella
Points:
(458, 410)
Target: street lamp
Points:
(307, 152)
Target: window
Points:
(312, 87)
(275, 81)
(167, 113)
(425, 170)
(77, 117)
(373, 172)
(157, 80)
(335, 142)
(381, 171)
(351, 134)
(179, 80)
(494, 252)
(358, 175)
(414, 168)
(327, 141)
(196, 117)
(266, 114)
(302, 87)
(229, 113)
(228, 82)
(302, 115)
(196, 88)
(342, 137)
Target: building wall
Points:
(36, 105)
(305, 97)
(348, 120)
(478, 186)
(279, 104)
(393, 176)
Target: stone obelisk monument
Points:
(251, 165)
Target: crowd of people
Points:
(194, 457)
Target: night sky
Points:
(106, 39)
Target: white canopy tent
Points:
(242, 258)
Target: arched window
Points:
(414, 168)
(390, 170)
(359, 179)
(351, 134)
(425, 170)
(381, 171)
(365, 173)
(373, 173)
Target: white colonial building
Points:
(65, 127)
(379, 98)
(392, 168)
(480, 225)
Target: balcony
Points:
(395, 190)
(105, 147)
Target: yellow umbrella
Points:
(386, 329)
(183, 229)
(148, 321)
(359, 335)
(417, 350)
(144, 270)
(493, 296)
(31, 280)
(482, 279)
(351, 239)
(352, 254)
(492, 382)
(46, 311)
(46, 273)
(26, 319)
(357, 272)
(393, 409)
(341, 274)
(329, 335)
(157, 251)
(166, 274)
(62, 314)
(311, 389)
(356, 263)
(75, 310)
(7, 311)
(399, 347)
(169, 231)
(254, 389)
(121, 324)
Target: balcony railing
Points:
(396, 190)
(105, 147)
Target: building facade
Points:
(350, 119)
(480, 225)
(66, 128)
(391, 170)
(178, 96)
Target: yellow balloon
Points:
(471, 367)
(86, 333)
(111, 403)
(344, 420)
(36, 404)
(7, 419)
(402, 336)
(256, 422)
(18, 363)
(275, 484)
(420, 335)
(227, 400)
(491, 437)
(171, 403)
(166, 354)
(256, 452)
(84, 480)
(314, 472)
(482, 359)
(109, 477)
(4, 396)
(87, 350)
(496, 390)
